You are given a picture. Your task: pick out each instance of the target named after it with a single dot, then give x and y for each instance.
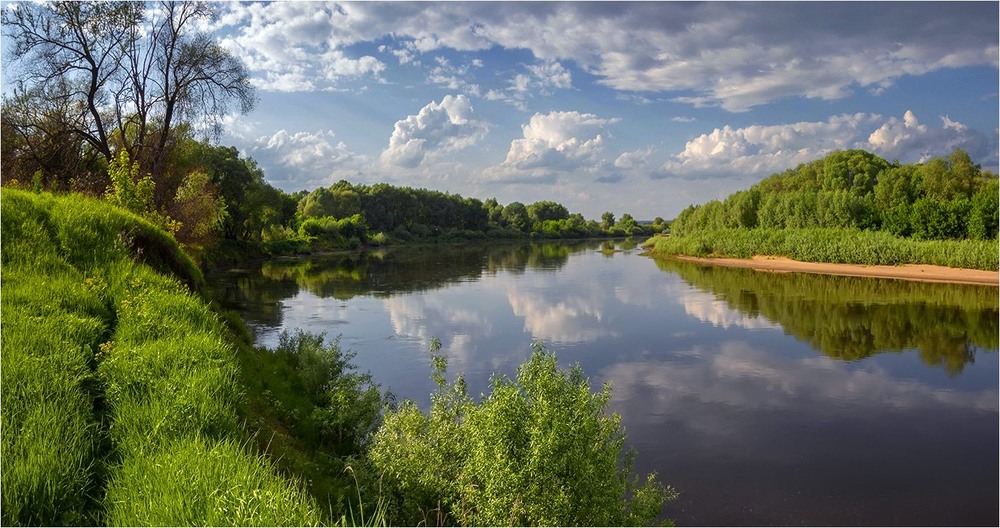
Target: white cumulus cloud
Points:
(305, 160)
(909, 139)
(555, 142)
(635, 159)
(295, 46)
(760, 150)
(544, 78)
(438, 127)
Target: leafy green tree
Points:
(515, 215)
(952, 177)
(318, 203)
(935, 219)
(897, 186)
(628, 225)
(607, 220)
(547, 210)
(984, 217)
(852, 170)
(742, 208)
(683, 223)
(934, 179)
(251, 203)
(494, 212)
(538, 450)
(198, 210)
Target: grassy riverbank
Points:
(121, 390)
(832, 245)
(129, 400)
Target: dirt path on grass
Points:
(914, 272)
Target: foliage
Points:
(198, 210)
(984, 214)
(344, 407)
(830, 245)
(121, 79)
(538, 450)
(327, 232)
(942, 199)
(346, 216)
(128, 190)
(37, 143)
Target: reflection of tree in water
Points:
(413, 268)
(256, 297)
(851, 318)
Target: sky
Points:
(639, 108)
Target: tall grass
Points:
(50, 436)
(850, 246)
(204, 482)
(120, 393)
(52, 321)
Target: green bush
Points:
(344, 407)
(984, 217)
(538, 450)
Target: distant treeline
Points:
(218, 204)
(346, 215)
(944, 198)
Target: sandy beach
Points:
(914, 272)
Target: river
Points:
(763, 398)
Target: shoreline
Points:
(911, 272)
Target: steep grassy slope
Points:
(120, 391)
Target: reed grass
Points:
(848, 246)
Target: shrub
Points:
(344, 406)
(984, 217)
(538, 450)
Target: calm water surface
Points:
(765, 399)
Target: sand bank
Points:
(914, 272)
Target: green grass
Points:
(850, 246)
(50, 437)
(121, 391)
(204, 482)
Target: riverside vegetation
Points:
(852, 207)
(128, 400)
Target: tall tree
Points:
(607, 220)
(126, 73)
(71, 52)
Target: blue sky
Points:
(639, 108)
